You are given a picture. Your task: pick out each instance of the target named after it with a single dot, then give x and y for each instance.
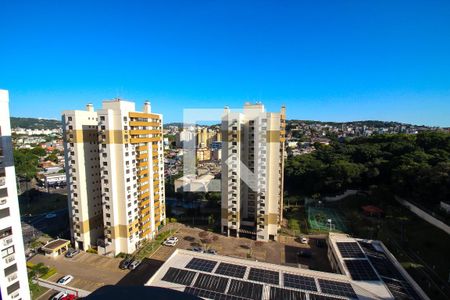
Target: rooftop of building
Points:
(224, 277)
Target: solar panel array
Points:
(245, 289)
(299, 282)
(350, 250)
(360, 269)
(279, 293)
(337, 288)
(211, 282)
(394, 280)
(266, 276)
(203, 265)
(231, 270)
(179, 276)
(205, 285)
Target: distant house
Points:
(372, 211)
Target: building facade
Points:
(115, 174)
(252, 172)
(13, 271)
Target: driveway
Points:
(90, 271)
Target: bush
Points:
(50, 273)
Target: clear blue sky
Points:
(325, 60)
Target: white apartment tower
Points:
(252, 172)
(115, 171)
(13, 271)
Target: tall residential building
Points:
(115, 174)
(252, 172)
(13, 271)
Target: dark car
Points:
(71, 253)
(124, 264)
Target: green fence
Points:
(318, 219)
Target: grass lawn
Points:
(36, 290)
(297, 223)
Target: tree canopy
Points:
(414, 166)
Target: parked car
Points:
(211, 251)
(304, 253)
(196, 249)
(71, 253)
(124, 264)
(171, 242)
(172, 238)
(134, 264)
(59, 296)
(65, 279)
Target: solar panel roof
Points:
(263, 275)
(179, 276)
(299, 282)
(210, 294)
(231, 270)
(360, 269)
(285, 294)
(201, 264)
(245, 289)
(337, 288)
(350, 250)
(211, 282)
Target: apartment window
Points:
(11, 269)
(102, 127)
(125, 127)
(105, 163)
(108, 215)
(124, 119)
(4, 213)
(8, 251)
(102, 118)
(69, 118)
(13, 287)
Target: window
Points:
(8, 251)
(69, 118)
(12, 288)
(4, 213)
(11, 269)
(102, 118)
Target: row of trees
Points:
(26, 161)
(413, 166)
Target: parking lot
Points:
(283, 252)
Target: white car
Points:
(65, 280)
(59, 296)
(170, 243)
(172, 238)
(303, 240)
